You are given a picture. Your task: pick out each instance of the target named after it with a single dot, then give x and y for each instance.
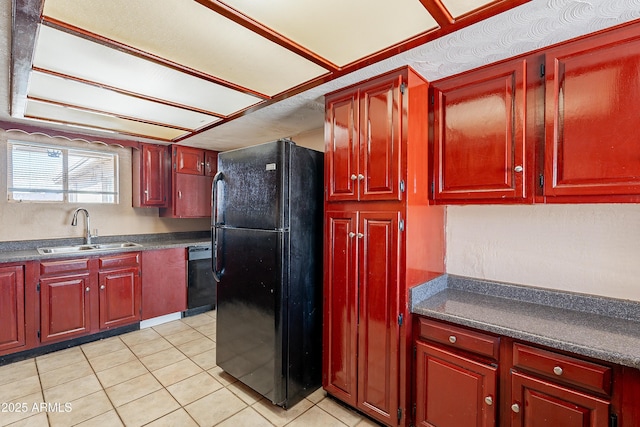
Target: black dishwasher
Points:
(201, 290)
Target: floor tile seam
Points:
(304, 412)
(141, 397)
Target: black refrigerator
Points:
(266, 229)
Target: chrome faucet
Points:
(74, 222)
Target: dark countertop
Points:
(603, 328)
(18, 251)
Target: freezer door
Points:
(250, 333)
(252, 191)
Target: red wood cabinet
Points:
(536, 402)
(192, 175)
(592, 146)
(484, 133)
(453, 390)
(120, 292)
(381, 238)
(151, 176)
(363, 142)
(12, 307)
(164, 282)
(65, 304)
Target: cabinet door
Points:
(592, 141)
(380, 140)
(210, 162)
(188, 160)
(479, 133)
(192, 195)
(164, 282)
(64, 307)
(340, 347)
(119, 297)
(453, 390)
(539, 403)
(12, 317)
(341, 148)
(154, 175)
(378, 329)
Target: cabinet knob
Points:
(488, 400)
(352, 234)
(453, 339)
(353, 177)
(360, 235)
(518, 169)
(557, 370)
(179, 194)
(360, 177)
(515, 408)
(101, 287)
(86, 289)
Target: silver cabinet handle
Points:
(86, 289)
(179, 194)
(360, 177)
(360, 235)
(488, 400)
(353, 177)
(515, 408)
(518, 169)
(557, 370)
(352, 234)
(102, 287)
(453, 339)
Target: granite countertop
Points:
(18, 251)
(603, 328)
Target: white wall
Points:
(27, 220)
(591, 249)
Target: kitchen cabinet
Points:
(65, 298)
(363, 141)
(456, 376)
(191, 177)
(164, 282)
(79, 296)
(151, 177)
(12, 307)
(484, 127)
(381, 238)
(120, 292)
(592, 147)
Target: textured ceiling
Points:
(528, 27)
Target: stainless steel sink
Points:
(87, 248)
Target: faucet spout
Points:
(74, 222)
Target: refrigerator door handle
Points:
(214, 222)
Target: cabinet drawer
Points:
(130, 259)
(461, 338)
(564, 369)
(64, 266)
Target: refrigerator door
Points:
(251, 316)
(252, 189)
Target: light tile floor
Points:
(160, 376)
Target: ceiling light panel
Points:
(460, 7)
(187, 33)
(341, 31)
(73, 93)
(66, 115)
(74, 56)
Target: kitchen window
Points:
(47, 173)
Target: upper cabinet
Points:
(363, 142)
(483, 137)
(150, 176)
(592, 144)
(195, 161)
(557, 126)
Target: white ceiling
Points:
(533, 25)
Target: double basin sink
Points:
(87, 248)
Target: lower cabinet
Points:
(164, 282)
(468, 378)
(80, 296)
(12, 307)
